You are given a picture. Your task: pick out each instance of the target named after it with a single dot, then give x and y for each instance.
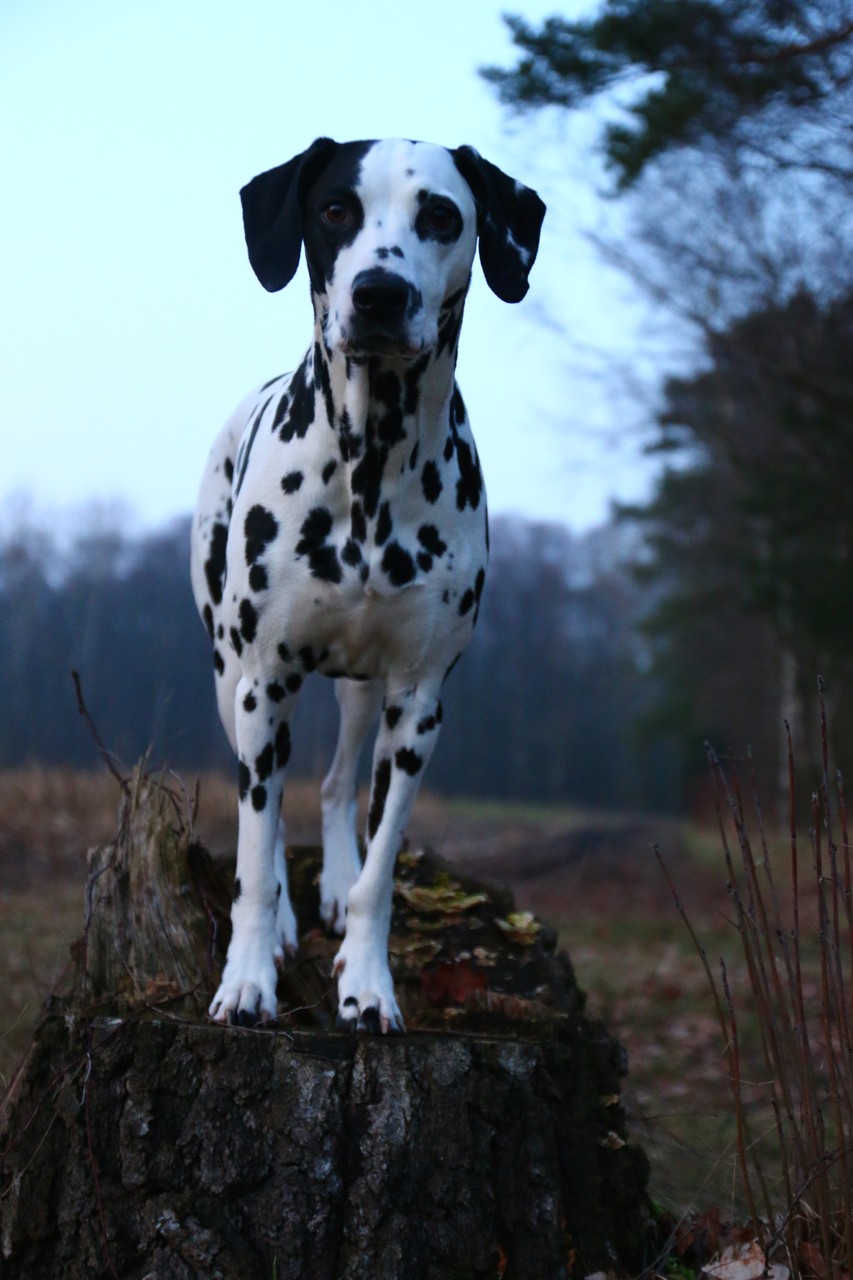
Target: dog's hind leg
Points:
(359, 702)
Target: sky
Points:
(131, 323)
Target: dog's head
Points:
(390, 230)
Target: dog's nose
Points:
(379, 293)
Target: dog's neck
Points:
(391, 401)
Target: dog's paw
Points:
(335, 883)
(246, 994)
(366, 1000)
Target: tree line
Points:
(543, 706)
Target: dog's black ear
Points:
(509, 219)
(272, 214)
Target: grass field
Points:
(593, 876)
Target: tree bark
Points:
(141, 1141)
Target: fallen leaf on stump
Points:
(521, 927)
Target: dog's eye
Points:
(335, 213)
(442, 217)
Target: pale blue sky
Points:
(131, 322)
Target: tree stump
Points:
(141, 1141)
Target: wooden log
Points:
(143, 1141)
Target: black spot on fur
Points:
(263, 763)
(323, 381)
(275, 691)
(408, 760)
(228, 466)
(250, 702)
(367, 478)
(448, 332)
(349, 441)
(238, 889)
(243, 780)
(291, 482)
(284, 653)
(448, 448)
(430, 722)
(392, 715)
(298, 417)
(351, 553)
(466, 603)
(316, 528)
(469, 486)
(322, 556)
(307, 658)
(383, 525)
(258, 578)
(248, 620)
(218, 662)
(260, 528)
(389, 426)
(259, 798)
(282, 744)
(214, 565)
(358, 523)
(398, 564)
(293, 682)
(381, 783)
(424, 561)
(431, 482)
(244, 459)
(329, 470)
(207, 619)
(236, 642)
(451, 301)
(479, 582)
(428, 537)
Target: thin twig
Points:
(105, 754)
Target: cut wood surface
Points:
(142, 1141)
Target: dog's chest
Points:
(365, 550)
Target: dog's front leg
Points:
(407, 736)
(261, 917)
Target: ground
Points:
(593, 876)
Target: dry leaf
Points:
(812, 1258)
(445, 895)
(521, 927)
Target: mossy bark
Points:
(142, 1141)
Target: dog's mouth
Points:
(380, 344)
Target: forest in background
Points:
(544, 705)
(578, 687)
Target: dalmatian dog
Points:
(341, 528)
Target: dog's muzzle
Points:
(380, 302)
